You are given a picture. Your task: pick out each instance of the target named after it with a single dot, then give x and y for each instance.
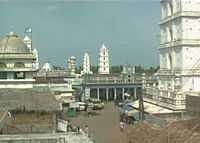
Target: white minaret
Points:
(28, 42)
(86, 64)
(179, 53)
(35, 52)
(104, 67)
(72, 65)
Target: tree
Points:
(117, 69)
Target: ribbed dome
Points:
(12, 44)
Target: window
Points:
(19, 75)
(19, 65)
(2, 65)
(3, 75)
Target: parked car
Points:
(82, 106)
(97, 105)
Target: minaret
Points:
(104, 67)
(72, 65)
(28, 42)
(86, 64)
(35, 52)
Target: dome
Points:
(12, 44)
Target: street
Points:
(103, 127)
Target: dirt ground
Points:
(103, 127)
(176, 132)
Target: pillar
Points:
(135, 92)
(122, 93)
(98, 93)
(115, 94)
(107, 90)
(87, 93)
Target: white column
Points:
(135, 92)
(107, 92)
(98, 93)
(115, 94)
(87, 93)
(122, 93)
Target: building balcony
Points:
(164, 98)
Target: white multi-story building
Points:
(104, 67)
(179, 72)
(86, 65)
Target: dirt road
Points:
(104, 127)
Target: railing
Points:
(165, 98)
(113, 82)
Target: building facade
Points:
(18, 62)
(179, 50)
(104, 67)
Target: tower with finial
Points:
(104, 67)
(86, 64)
(72, 65)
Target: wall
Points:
(191, 5)
(192, 104)
(46, 138)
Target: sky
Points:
(64, 28)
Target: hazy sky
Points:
(62, 28)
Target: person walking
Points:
(121, 125)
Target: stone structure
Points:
(179, 54)
(104, 67)
(18, 62)
(86, 65)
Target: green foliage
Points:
(94, 69)
(57, 67)
(117, 69)
(150, 70)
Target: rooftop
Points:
(36, 99)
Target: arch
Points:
(19, 65)
(169, 9)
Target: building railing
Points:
(113, 81)
(169, 99)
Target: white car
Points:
(82, 106)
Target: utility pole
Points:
(141, 101)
